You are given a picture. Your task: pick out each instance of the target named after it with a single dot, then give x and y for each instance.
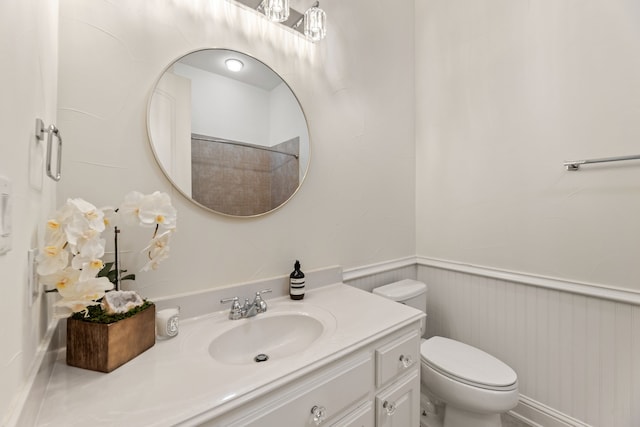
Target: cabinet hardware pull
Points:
(319, 414)
(406, 360)
(390, 407)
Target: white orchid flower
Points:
(91, 269)
(130, 209)
(157, 251)
(111, 217)
(92, 215)
(54, 234)
(85, 292)
(83, 228)
(90, 290)
(82, 295)
(154, 263)
(65, 308)
(52, 258)
(156, 209)
(62, 279)
(88, 250)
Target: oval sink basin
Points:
(274, 335)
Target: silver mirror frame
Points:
(166, 173)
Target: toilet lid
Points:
(467, 364)
(402, 290)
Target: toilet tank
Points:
(408, 291)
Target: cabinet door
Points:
(399, 404)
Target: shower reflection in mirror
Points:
(235, 142)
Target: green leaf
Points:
(105, 270)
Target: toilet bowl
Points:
(474, 386)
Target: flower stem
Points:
(155, 233)
(117, 264)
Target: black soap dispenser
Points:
(296, 282)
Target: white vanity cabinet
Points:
(377, 385)
(361, 371)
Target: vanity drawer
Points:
(342, 388)
(363, 416)
(397, 357)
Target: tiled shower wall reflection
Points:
(242, 179)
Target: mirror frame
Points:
(170, 179)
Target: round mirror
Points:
(228, 132)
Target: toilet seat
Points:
(467, 364)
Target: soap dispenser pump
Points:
(296, 282)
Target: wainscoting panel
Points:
(577, 354)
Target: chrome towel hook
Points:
(51, 130)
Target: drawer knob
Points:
(406, 360)
(390, 407)
(319, 414)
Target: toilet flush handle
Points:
(406, 361)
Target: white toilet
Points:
(474, 386)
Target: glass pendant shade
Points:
(315, 24)
(276, 10)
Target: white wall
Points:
(356, 206)
(227, 108)
(506, 92)
(28, 73)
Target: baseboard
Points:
(27, 403)
(539, 415)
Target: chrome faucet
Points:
(238, 311)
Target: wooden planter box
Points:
(105, 347)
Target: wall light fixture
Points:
(276, 10)
(312, 23)
(234, 65)
(315, 23)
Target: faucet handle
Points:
(226, 300)
(259, 303)
(236, 310)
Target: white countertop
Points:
(177, 382)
